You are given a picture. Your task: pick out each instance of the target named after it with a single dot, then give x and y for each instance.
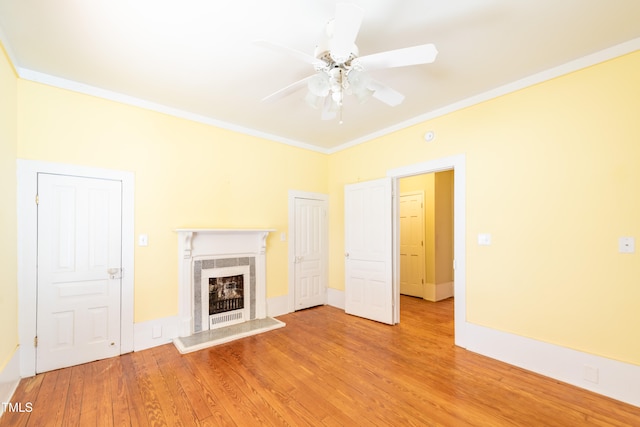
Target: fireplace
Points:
(216, 267)
(226, 292)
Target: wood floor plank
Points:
(323, 368)
(73, 405)
(135, 399)
(119, 394)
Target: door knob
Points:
(114, 273)
(346, 255)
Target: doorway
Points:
(28, 172)
(426, 235)
(457, 164)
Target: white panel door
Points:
(368, 255)
(310, 247)
(79, 270)
(412, 265)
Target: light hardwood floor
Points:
(323, 368)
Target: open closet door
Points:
(368, 250)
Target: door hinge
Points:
(35, 341)
(37, 199)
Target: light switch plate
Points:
(626, 245)
(484, 239)
(143, 240)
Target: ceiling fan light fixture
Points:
(339, 69)
(319, 84)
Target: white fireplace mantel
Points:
(202, 243)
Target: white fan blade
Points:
(422, 54)
(346, 26)
(309, 59)
(286, 91)
(385, 94)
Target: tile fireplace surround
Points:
(201, 250)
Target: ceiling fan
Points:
(339, 71)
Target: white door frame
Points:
(293, 195)
(458, 165)
(27, 176)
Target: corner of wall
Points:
(335, 298)
(278, 306)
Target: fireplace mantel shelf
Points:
(187, 234)
(225, 230)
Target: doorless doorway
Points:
(457, 164)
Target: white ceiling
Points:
(197, 59)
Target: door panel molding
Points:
(27, 178)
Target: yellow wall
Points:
(187, 174)
(8, 216)
(552, 173)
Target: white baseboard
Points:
(278, 306)
(9, 379)
(335, 298)
(617, 380)
(438, 291)
(155, 332)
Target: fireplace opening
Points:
(226, 294)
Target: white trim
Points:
(458, 164)
(293, 195)
(336, 298)
(27, 174)
(156, 332)
(277, 306)
(618, 380)
(10, 378)
(561, 70)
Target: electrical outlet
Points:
(591, 374)
(157, 331)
